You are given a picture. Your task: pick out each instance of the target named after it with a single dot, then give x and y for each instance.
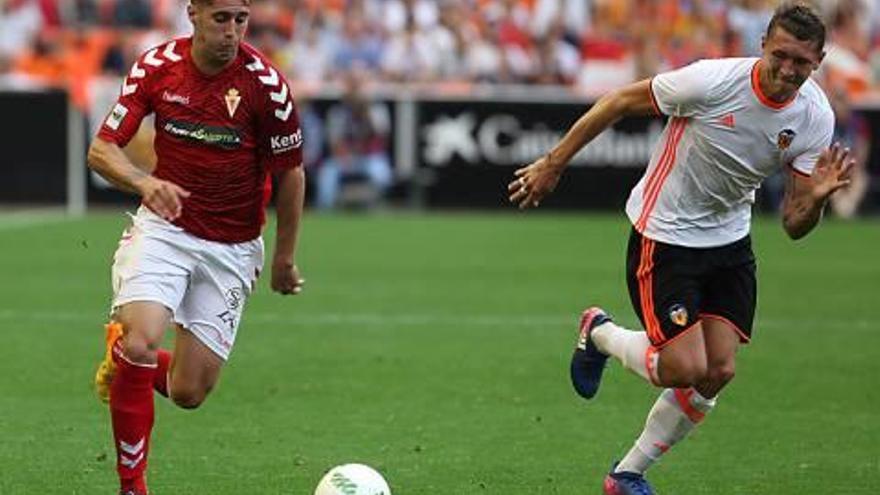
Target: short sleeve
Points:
(821, 133)
(681, 92)
(279, 138)
(130, 108)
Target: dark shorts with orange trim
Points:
(674, 287)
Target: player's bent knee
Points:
(138, 350)
(722, 374)
(138, 345)
(188, 396)
(683, 374)
(188, 399)
(188, 402)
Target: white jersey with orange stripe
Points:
(723, 138)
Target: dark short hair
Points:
(801, 21)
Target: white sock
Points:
(675, 413)
(633, 349)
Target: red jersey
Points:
(216, 136)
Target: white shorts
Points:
(203, 283)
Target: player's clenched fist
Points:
(163, 197)
(286, 279)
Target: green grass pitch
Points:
(435, 347)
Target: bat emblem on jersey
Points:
(678, 314)
(784, 138)
(232, 100)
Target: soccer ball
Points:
(352, 479)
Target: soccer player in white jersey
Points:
(690, 268)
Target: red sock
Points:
(160, 379)
(131, 409)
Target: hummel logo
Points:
(272, 79)
(727, 121)
(174, 98)
(131, 462)
(152, 60)
(284, 114)
(130, 448)
(135, 73)
(256, 65)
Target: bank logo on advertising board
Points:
(504, 139)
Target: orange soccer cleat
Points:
(107, 368)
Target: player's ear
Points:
(821, 58)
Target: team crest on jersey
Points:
(232, 101)
(678, 314)
(784, 138)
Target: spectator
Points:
(357, 132)
(851, 130)
(309, 57)
(517, 45)
(484, 61)
(575, 16)
(357, 48)
(447, 41)
(80, 13)
(42, 64)
(313, 135)
(847, 53)
(133, 13)
(558, 61)
(175, 20)
(749, 18)
(20, 23)
(410, 56)
(396, 15)
(607, 62)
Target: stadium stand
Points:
(579, 48)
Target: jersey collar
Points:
(239, 59)
(763, 98)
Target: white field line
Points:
(422, 319)
(30, 218)
(327, 319)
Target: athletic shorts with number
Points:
(203, 283)
(674, 287)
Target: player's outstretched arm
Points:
(538, 179)
(805, 197)
(291, 193)
(163, 197)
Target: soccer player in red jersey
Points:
(225, 120)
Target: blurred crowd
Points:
(582, 46)
(587, 45)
